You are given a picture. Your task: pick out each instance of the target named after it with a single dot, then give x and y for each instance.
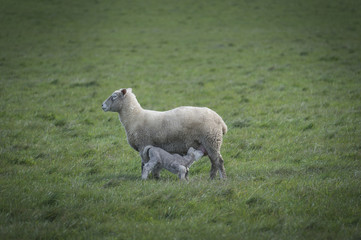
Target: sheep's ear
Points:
(123, 92)
(129, 90)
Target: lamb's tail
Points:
(145, 154)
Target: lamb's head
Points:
(196, 153)
(115, 102)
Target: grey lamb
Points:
(158, 159)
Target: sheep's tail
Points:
(224, 127)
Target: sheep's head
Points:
(115, 102)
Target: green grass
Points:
(284, 75)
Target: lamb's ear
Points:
(129, 90)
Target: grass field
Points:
(284, 75)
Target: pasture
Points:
(284, 75)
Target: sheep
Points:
(175, 130)
(157, 159)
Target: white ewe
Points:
(175, 131)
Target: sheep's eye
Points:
(114, 96)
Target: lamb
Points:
(157, 159)
(175, 130)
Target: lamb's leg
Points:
(182, 170)
(147, 156)
(144, 159)
(156, 172)
(186, 175)
(148, 167)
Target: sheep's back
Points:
(185, 119)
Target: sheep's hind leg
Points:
(213, 171)
(213, 147)
(213, 157)
(220, 165)
(217, 164)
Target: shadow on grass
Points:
(117, 180)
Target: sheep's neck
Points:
(129, 115)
